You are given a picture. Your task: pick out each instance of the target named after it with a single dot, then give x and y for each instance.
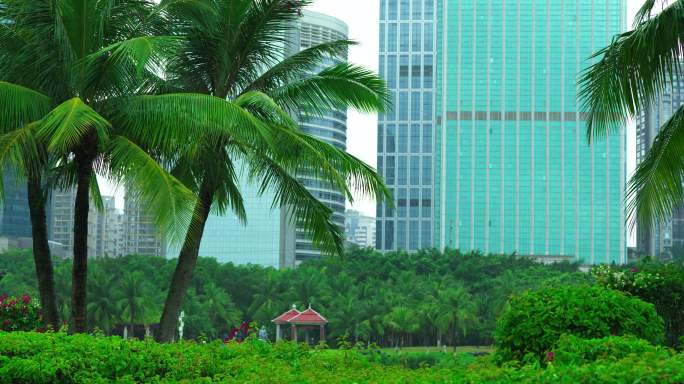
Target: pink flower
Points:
(26, 298)
(3, 297)
(6, 322)
(12, 303)
(550, 356)
(634, 270)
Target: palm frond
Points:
(656, 189)
(632, 71)
(161, 195)
(314, 217)
(19, 153)
(336, 88)
(20, 106)
(300, 64)
(66, 125)
(95, 195)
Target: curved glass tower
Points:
(315, 28)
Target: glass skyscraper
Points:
(15, 217)
(664, 238)
(511, 170)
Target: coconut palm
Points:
(102, 308)
(69, 68)
(630, 74)
(232, 53)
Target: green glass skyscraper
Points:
(513, 171)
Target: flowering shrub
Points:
(534, 321)
(59, 358)
(656, 283)
(20, 314)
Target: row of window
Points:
(407, 170)
(410, 106)
(407, 9)
(409, 235)
(407, 37)
(404, 138)
(398, 72)
(411, 202)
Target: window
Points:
(401, 234)
(383, 26)
(404, 9)
(427, 202)
(427, 34)
(390, 133)
(427, 170)
(389, 171)
(416, 74)
(428, 72)
(427, 106)
(403, 71)
(417, 10)
(403, 107)
(392, 38)
(402, 170)
(427, 138)
(415, 138)
(415, 106)
(391, 75)
(429, 9)
(416, 37)
(381, 138)
(404, 37)
(401, 203)
(392, 11)
(403, 138)
(413, 235)
(415, 170)
(389, 235)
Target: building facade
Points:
(141, 235)
(102, 225)
(665, 237)
(359, 229)
(15, 217)
(311, 29)
(506, 167)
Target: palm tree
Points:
(133, 297)
(102, 308)
(630, 74)
(71, 67)
(232, 53)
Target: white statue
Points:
(181, 324)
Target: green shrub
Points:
(59, 358)
(572, 350)
(20, 314)
(661, 284)
(535, 320)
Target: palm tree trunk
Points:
(41, 253)
(186, 265)
(79, 272)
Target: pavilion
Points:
(306, 320)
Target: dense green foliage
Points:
(20, 314)
(58, 358)
(659, 283)
(573, 350)
(380, 298)
(534, 321)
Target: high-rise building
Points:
(100, 224)
(312, 29)
(141, 235)
(359, 229)
(15, 217)
(270, 238)
(486, 149)
(662, 238)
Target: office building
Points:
(359, 229)
(15, 217)
(663, 238)
(486, 149)
(141, 235)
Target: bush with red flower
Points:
(20, 314)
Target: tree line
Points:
(175, 100)
(391, 299)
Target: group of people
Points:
(240, 334)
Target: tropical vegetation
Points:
(178, 101)
(452, 298)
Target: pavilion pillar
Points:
(277, 332)
(294, 333)
(322, 333)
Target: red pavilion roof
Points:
(285, 317)
(308, 316)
